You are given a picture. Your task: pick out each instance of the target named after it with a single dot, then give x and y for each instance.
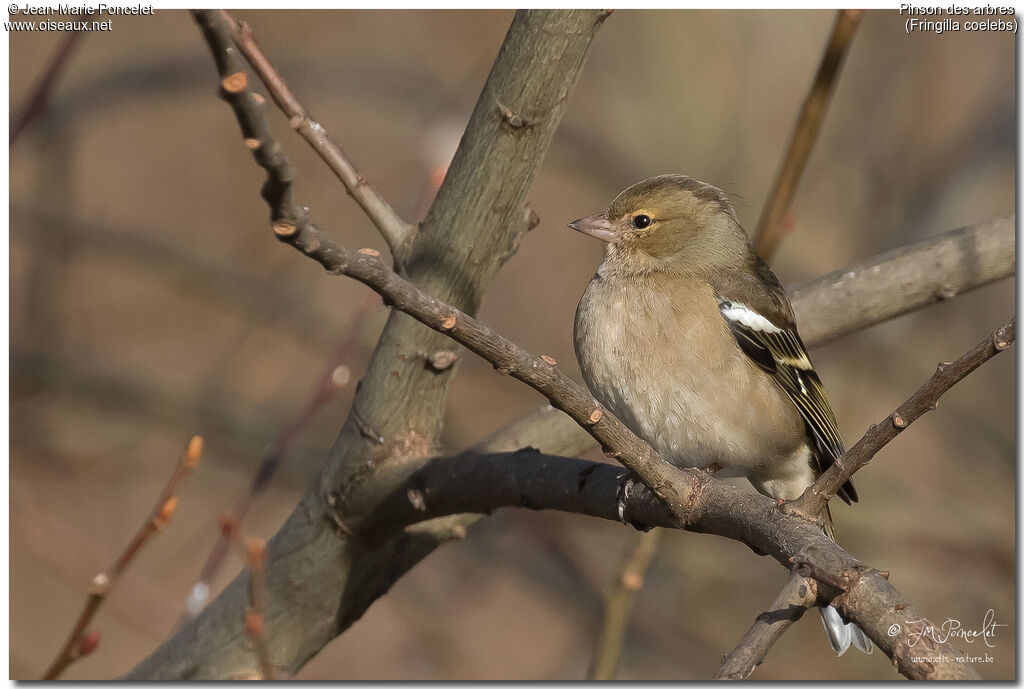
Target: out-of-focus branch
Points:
(333, 376)
(399, 407)
(41, 90)
(814, 499)
(193, 274)
(365, 265)
(81, 641)
(255, 621)
(896, 282)
(795, 598)
(396, 231)
(619, 604)
(771, 227)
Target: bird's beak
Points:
(596, 226)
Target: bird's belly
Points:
(697, 406)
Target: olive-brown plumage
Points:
(688, 338)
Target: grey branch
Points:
(528, 479)
(469, 231)
(814, 499)
(904, 279)
(304, 548)
(795, 598)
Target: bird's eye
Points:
(641, 221)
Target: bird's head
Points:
(669, 222)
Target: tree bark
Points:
(317, 582)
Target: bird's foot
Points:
(623, 493)
(627, 484)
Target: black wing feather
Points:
(783, 355)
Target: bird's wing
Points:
(779, 351)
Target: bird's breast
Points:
(662, 359)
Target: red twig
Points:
(255, 624)
(81, 641)
(44, 85)
(332, 378)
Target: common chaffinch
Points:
(686, 335)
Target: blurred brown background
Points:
(150, 302)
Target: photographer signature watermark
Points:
(952, 628)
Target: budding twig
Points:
(797, 596)
(332, 378)
(619, 604)
(814, 499)
(82, 641)
(396, 231)
(255, 623)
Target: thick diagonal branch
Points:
(465, 238)
(898, 281)
(482, 483)
(399, 407)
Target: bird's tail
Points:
(841, 634)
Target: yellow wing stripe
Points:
(804, 387)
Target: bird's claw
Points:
(623, 493)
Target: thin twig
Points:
(255, 623)
(292, 226)
(332, 378)
(41, 90)
(396, 231)
(619, 605)
(775, 223)
(797, 596)
(80, 641)
(683, 494)
(814, 499)
(772, 226)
